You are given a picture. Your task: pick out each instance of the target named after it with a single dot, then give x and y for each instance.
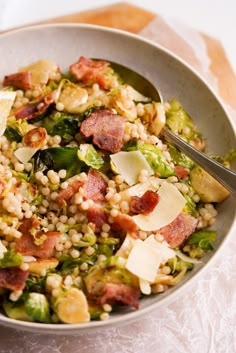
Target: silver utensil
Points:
(225, 176)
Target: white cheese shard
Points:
(161, 248)
(3, 249)
(6, 101)
(130, 164)
(171, 202)
(24, 154)
(143, 261)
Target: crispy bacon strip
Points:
(181, 172)
(96, 185)
(97, 215)
(179, 230)
(90, 71)
(13, 278)
(144, 204)
(25, 245)
(66, 194)
(106, 128)
(124, 223)
(119, 293)
(31, 111)
(21, 80)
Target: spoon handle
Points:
(225, 176)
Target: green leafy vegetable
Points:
(62, 124)
(179, 158)
(37, 306)
(190, 206)
(12, 134)
(203, 239)
(181, 123)
(177, 264)
(11, 259)
(58, 158)
(156, 160)
(90, 156)
(35, 284)
(16, 311)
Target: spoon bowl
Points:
(225, 176)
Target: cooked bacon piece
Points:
(179, 230)
(97, 215)
(31, 111)
(91, 71)
(119, 293)
(13, 278)
(181, 172)
(95, 187)
(124, 223)
(66, 194)
(144, 204)
(107, 129)
(28, 224)
(22, 80)
(25, 245)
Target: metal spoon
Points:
(223, 175)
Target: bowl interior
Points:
(64, 44)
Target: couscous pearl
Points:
(14, 296)
(90, 251)
(114, 212)
(75, 253)
(68, 281)
(54, 195)
(28, 214)
(107, 308)
(44, 180)
(84, 267)
(24, 267)
(60, 106)
(106, 227)
(76, 237)
(71, 221)
(62, 173)
(68, 244)
(59, 247)
(19, 167)
(64, 185)
(104, 316)
(63, 219)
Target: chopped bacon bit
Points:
(66, 194)
(106, 128)
(25, 244)
(35, 137)
(90, 71)
(31, 111)
(144, 204)
(97, 215)
(181, 172)
(21, 80)
(28, 224)
(95, 187)
(13, 278)
(179, 230)
(124, 223)
(120, 293)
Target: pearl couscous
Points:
(96, 209)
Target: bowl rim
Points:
(130, 316)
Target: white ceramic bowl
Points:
(64, 43)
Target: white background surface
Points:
(215, 17)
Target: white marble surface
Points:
(203, 319)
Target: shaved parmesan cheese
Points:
(143, 261)
(139, 189)
(144, 286)
(6, 101)
(170, 205)
(130, 164)
(3, 249)
(24, 154)
(126, 246)
(162, 249)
